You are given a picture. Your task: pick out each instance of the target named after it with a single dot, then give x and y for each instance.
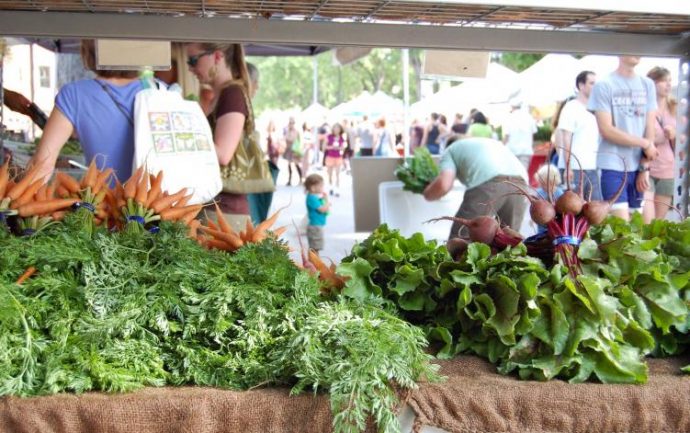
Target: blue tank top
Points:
(433, 136)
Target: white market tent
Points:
(314, 113)
(497, 87)
(373, 105)
(550, 79)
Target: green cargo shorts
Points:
(661, 186)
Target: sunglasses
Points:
(193, 60)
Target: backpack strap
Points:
(118, 104)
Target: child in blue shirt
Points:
(548, 178)
(317, 210)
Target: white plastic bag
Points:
(173, 135)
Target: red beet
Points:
(596, 211)
(541, 211)
(570, 202)
(481, 229)
(456, 247)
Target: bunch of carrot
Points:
(90, 192)
(220, 235)
(142, 201)
(30, 199)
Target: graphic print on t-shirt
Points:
(177, 131)
(630, 102)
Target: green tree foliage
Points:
(519, 61)
(287, 82)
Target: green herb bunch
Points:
(417, 172)
(119, 311)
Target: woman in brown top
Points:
(223, 68)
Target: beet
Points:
(541, 211)
(481, 229)
(456, 247)
(570, 202)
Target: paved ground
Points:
(340, 233)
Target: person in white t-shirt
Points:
(578, 135)
(518, 132)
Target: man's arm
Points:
(566, 140)
(622, 138)
(440, 186)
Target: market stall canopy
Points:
(499, 85)
(549, 80)
(372, 105)
(314, 114)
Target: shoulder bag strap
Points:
(249, 121)
(118, 104)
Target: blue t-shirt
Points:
(316, 218)
(103, 129)
(627, 100)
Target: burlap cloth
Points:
(474, 399)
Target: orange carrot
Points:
(28, 194)
(45, 207)
(42, 193)
(62, 191)
(279, 231)
(68, 182)
(26, 275)
(184, 200)
(248, 232)
(101, 180)
(59, 215)
(175, 213)
(211, 224)
(156, 188)
(21, 186)
(193, 228)
(167, 201)
(230, 238)
(142, 189)
(90, 175)
(50, 191)
(319, 264)
(260, 229)
(219, 245)
(189, 216)
(222, 222)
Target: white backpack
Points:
(173, 135)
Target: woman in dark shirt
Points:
(223, 68)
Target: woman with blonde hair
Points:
(100, 112)
(223, 68)
(656, 177)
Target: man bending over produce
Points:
(483, 165)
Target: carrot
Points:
(26, 275)
(175, 213)
(279, 231)
(184, 200)
(42, 193)
(211, 224)
(62, 191)
(314, 258)
(193, 228)
(219, 245)
(50, 191)
(165, 202)
(68, 182)
(156, 188)
(130, 187)
(222, 222)
(260, 229)
(28, 194)
(90, 175)
(189, 216)
(101, 180)
(21, 186)
(45, 207)
(231, 238)
(59, 215)
(4, 177)
(142, 189)
(248, 232)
